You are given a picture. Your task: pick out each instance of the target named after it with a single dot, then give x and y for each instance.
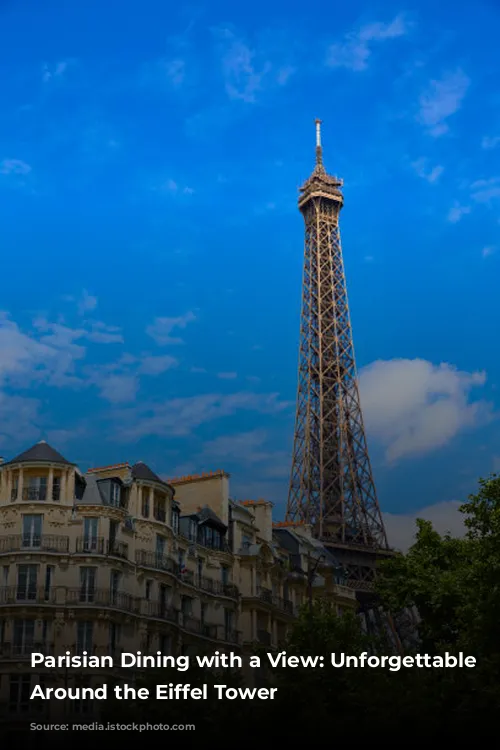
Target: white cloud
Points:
(354, 51)
(456, 212)
(101, 333)
(118, 382)
(247, 449)
(51, 72)
(487, 251)
(484, 191)
(49, 358)
(412, 406)
(442, 99)
(180, 416)
(161, 328)
(445, 517)
(19, 419)
(117, 388)
(244, 446)
(87, 303)
(171, 186)
(431, 174)
(14, 167)
(175, 71)
(248, 71)
(157, 365)
(489, 142)
(227, 375)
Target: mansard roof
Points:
(204, 515)
(140, 470)
(41, 452)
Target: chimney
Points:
(263, 511)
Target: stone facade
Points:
(118, 559)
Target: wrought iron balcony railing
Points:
(157, 561)
(160, 610)
(24, 648)
(188, 622)
(35, 494)
(87, 596)
(117, 549)
(207, 630)
(26, 594)
(218, 587)
(99, 546)
(216, 545)
(267, 596)
(91, 545)
(26, 542)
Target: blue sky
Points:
(152, 248)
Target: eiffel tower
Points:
(331, 484)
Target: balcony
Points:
(157, 561)
(26, 595)
(284, 604)
(267, 596)
(187, 576)
(25, 649)
(160, 610)
(28, 543)
(215, 545)
(117, 549)
(90, 597)
(35, 494)
(91, 545)
(209, 631)
(100, 546)
(218, 587)
(188, 622)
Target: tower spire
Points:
(331, 482)
(319, 148)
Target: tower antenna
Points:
(319, 148)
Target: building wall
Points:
(96, 576)
(206, 489)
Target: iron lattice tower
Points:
(331, 485)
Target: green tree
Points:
(454, 583)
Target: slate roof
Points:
(91, 493)
(40, 452)
(140, 470)
(206, 514)
(295, 543)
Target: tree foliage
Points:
(455, 586)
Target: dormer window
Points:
(193, 530)
(175, 520)
(115, 494)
